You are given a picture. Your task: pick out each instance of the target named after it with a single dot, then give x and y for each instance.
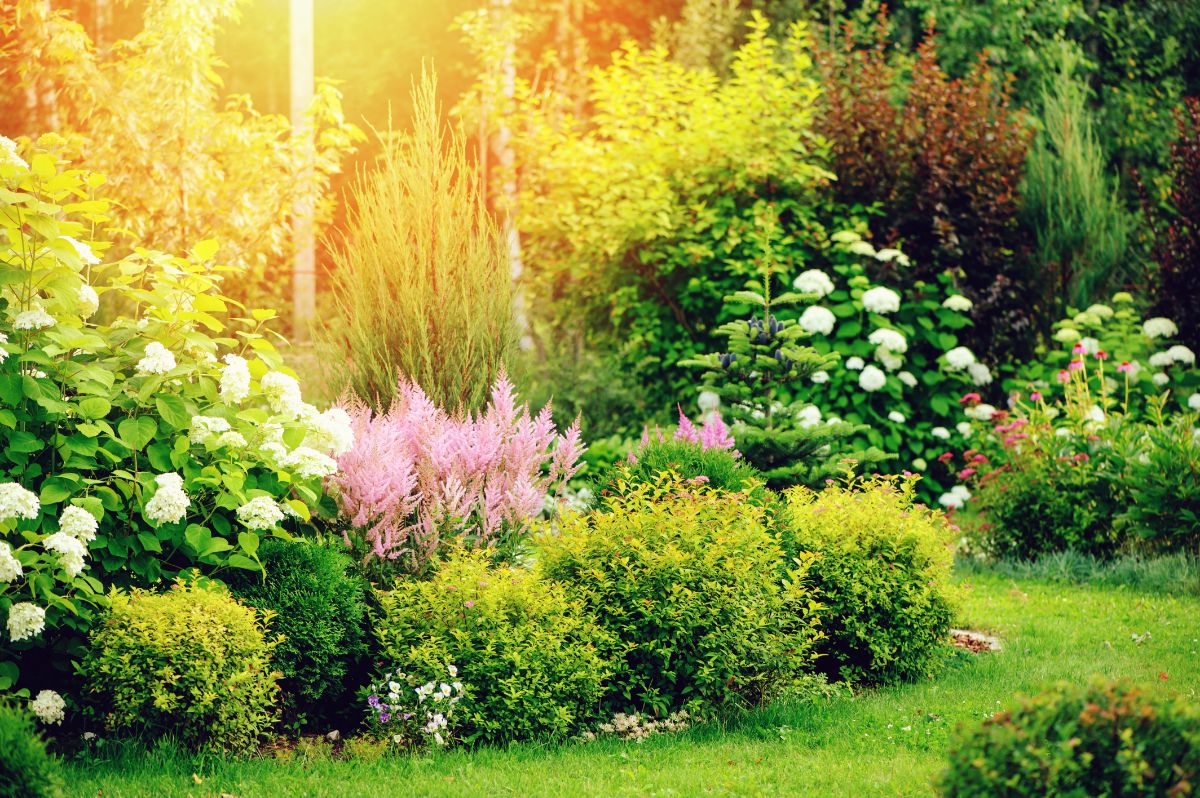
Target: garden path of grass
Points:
(886, 743)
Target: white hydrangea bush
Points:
(150, 425)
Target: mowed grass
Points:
(889, 742)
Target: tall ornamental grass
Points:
(421, 280)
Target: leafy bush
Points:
(720, 469)
(1099, 739)
(191, 663)
(529, 656)
(1177, 239)
(882, 571)
(690, 584)
(319, 608)
(26, 770)
(421, 282)
(140, 447)
(1163, 484)
(418, 480)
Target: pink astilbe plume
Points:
(417, 474)
(713, 434)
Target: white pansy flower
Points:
(959, 358)
(1181, 354)
(49, 707)
(8, 154)
(86, 256)
(881, 300)
(818, 320)
(871, 379)
(169, 503)
(25, 620)
(941, 433)
(820, 377)
(1160, 328)
(78, 523)
(814, 281)
(958, 302)
(1160, 379)
(16, 502)
(891, 340)
(855, 363)
(34, 319)
(72, 553)
(10, 566)
(156, 360)
(896, 417)
(235, 380)
(907, 378)
(89, 301)
(980, 374)
(260, 513)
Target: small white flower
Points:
(814, 281)
(881, 300)
(1160, 379)
(980, 374)
(169, 503)
(72, 553)
(855, 363)
(205, 427)
(453, 671)
(959, 358)
(820, 377)
(982, 412)
(260, 513)
(964, 428)
(809, 416)
(157, 359)
(1181, 354)
(35, 319)
(1194, 401)
(86, 256)
(25, 620)
(78, 523)
(708, 401)
(235, 380)
(890, 340)
(896, 417)
(8, 154)
(16, 502)
(1160, 328)
(871, 379)
(907, 378)
(951, 501)
(919, 464)
(818, 320)
(941, 433)
(10, 566)
(3, 351)
(1090, 345)
(89, 301)
(958, 302)
(49, 707)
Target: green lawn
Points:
(886, 743)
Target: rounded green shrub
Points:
(319, 606)
(26, 770)
(690, 584)
(882, 572)
(1076, 740)
(191, 663)
(528, 656)
(718, 468)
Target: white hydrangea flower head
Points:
(982, 412)
(1100, 311)
(3, 352)
(1090, 345)
(8, 154)
(814, 281)
(332, 431)
(260, 513)
(16, 502)
(1123, 298)
(232, 440)
(1096, 414)
(49, 707)
(871, 379)
(951, 501)
(941, 433)
(10, 566)
(890, 360)
(809, 416)
(1193, 403)
(855, 363)
(959, 358)
(72, 553)
(881, 300)
(1159, 328)
(980, 374)
(1161, 360)
(958, 303)
(235, 380)
(78, 523)
(708, 401)
(205, 427)
(34, 319)
(1160, 379)
(169, 503)
(89, 301)
(861, 247)
(887, 255)
(964, 428)
(919, 464)
(820, 377)
(86, 256)
(283, 393)
(1067, 335)
(907, 378)
(1181, 354)
(156, 360)
(818, 320)
(896, 417)
(308, 463)
(890, 340)
(25, 621)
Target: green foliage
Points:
(192, 663)
(1177, 234)
(1099, 739)
(26, 770)
(721, 468)
(882, 571)
(183, 461)
(319, 605)
(690, 583)
(529, 656)
(1073, 207)
(1162, 480)
(421, 279)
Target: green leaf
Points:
(56, 489)
(248, 542)
(94, 407)
(137, 432)
(244, 562)
(150, 542)
(206, 249)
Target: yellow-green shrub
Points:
(882, 572)
(691, 585)
(191, 663)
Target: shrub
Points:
(1177, 239)
(690, 584)
(319, 608)
(419, 480)
(529, 656)
(1163, 483)
(26, 770)
(191, 663)
(1099, 739)
(421, 281)
(164, 440)
(719, 469)
(882, 571)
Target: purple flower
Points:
(384, 717)
(468, 603)
(373, 702)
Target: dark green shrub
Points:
(191, 663)
(26, 770)
(882, 572)
(689, 583)
(320, 610)
(528, 656)
(1103, 739)
(1163, 481)
(721, 469)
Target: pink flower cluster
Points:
(417, 473)
(713, 433)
